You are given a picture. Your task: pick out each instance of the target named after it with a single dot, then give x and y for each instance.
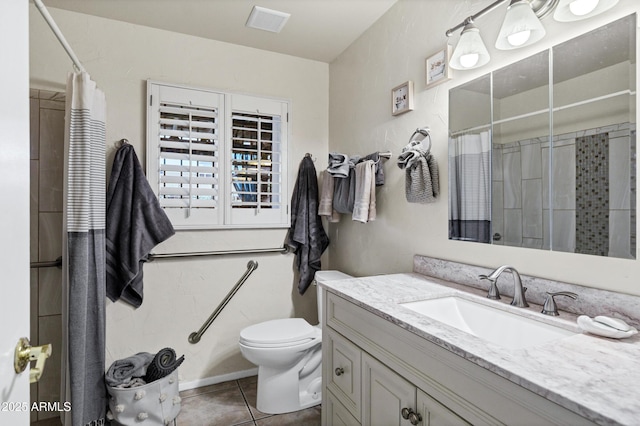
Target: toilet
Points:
(288, 353)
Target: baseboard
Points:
(217, 379)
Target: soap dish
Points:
(589, 325)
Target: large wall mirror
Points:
(542, 153)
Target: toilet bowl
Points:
(288, 353)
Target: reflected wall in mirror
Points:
(550, 167)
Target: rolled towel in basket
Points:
(162, 365)
(122, 371)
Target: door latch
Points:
(25, 353)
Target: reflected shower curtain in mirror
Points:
(469, 187)
(84, 275)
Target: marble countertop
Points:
(595, 377)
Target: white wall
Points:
(392, 51)
(181, 294)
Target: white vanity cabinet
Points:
(390, 400)
(373, 369)
(341, 376)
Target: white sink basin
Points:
(486, 322)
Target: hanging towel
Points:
(163, 364)
(379, 166)
(325, 207)
(422, 180)
(344, 192)
(338, 165)
(135, 224)
(307, 237)
(365, 192)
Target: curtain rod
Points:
(56, 31)
(546, 110)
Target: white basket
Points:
(156, 403)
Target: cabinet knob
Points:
(339, 371)
(413, 417)
(405, 413)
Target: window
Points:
(217, 160)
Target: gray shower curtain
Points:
(84, 265)
(470, 187)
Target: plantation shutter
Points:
(217, 160)
(258, 161)
(187, 133)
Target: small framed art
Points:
(437, 67)
(402, 98)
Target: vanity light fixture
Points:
(521, 27)
(575, 10)
(470, 52)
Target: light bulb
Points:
(519, 38)
(582, 7)
(469, 60)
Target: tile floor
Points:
(229, 404)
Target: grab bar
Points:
(153, 256)
(195, 336)
(57, 263)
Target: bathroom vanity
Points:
(386, 364)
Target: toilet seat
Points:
(279, 333)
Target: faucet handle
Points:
(493, 288)
(550, 307)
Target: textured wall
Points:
(181, 294)
(392, 51)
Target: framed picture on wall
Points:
(437, 67)
(402, 98)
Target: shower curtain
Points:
(469, 187)
(84, 245)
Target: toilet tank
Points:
(323, 276)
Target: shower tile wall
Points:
(47, 164)
(518, 193)
(520, 205)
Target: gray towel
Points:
(307, 237)
(338, 165)
(344, 193)
(422, 181)
(135, 224)
(123, 371)
(409, 157)
(163, 364)
(364, 208)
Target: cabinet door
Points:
(435, 414)
(343, 370)
(336, 414)
(385, 394)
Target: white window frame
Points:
(225, 214)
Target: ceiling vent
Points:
(265, 19)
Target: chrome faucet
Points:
(519, 298)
